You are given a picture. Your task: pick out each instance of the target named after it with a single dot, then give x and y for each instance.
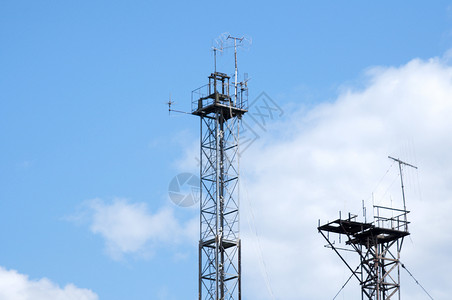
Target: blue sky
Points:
(88, 148)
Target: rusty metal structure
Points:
(220, 106)
(378, 245)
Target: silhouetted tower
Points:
(378, 245)
(219, 245)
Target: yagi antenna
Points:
(170, 103)
(401, 179)
(401, 175)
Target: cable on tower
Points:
(417, 282)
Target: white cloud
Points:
(16, 286)
(129, 228)
(331, 157)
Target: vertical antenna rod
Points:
(235, 58)
(215, 49)
(215, 59)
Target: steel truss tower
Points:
(219, 244)
(378, 245)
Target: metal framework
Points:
(219, 244)
(378, 245)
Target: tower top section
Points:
(215, 97)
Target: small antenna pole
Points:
(215, 49)
(235, 71)
(364, 212)
(170, 103)
(215, 59)
(235, 59)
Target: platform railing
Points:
(205, 96)
(390, 218)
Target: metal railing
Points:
(205, 95)
(391, 218)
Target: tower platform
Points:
(366, 234)
(215, 97)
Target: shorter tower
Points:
(378, 245)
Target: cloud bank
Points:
(131, 229)
(329, 158)
(16, 286)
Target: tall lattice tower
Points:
(220, 106)
(378, 245)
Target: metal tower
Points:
(378, 245)
(219, 244)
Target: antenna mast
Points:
(219, 240)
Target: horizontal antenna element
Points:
(402, 162)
